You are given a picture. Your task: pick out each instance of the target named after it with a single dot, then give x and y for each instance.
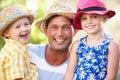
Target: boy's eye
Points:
(26, 24)
(17, 26)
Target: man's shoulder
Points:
(37, 52)
(36, 46)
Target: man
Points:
(52, 58)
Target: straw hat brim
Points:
(7, 24)
(41, 23)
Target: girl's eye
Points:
(83, 18)
(94, 16)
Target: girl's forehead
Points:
(89, 14)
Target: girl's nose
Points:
(89, 21)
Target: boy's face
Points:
(92, 23)
(59, 33)
(19, 31)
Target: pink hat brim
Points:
(76, 21)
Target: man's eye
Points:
(53, 28)
(67, 27)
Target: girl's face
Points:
(19, 31)
(92, 23)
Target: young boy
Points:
(15, 61)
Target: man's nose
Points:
(60, 32)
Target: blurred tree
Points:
(36, 35)
(1, 43)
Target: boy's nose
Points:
(24, 28)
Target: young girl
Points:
(15, 61)
(95, 56)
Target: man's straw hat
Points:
(58, 8)
(10, 14)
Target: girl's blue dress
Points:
(92, 60)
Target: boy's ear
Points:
(5, 33)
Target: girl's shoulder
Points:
(114, 43)
(114, 49)
(76, 43)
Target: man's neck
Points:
(56, 57)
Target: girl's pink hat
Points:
(90, 7)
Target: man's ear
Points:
(45, 31)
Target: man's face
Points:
(59, 33)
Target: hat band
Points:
(9, 18)
(92, 9)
